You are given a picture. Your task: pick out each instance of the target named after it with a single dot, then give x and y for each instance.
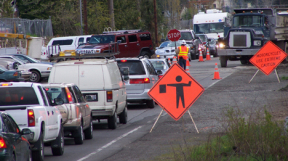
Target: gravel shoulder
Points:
(234, 91)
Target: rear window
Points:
(18, 96)
(186, 36)
(144, 37)
(159, 65)
(62, 42)
(135, 66)
(57, 93)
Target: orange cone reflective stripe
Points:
(208, 55)
(200, 57)
(216, 73)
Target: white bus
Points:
(210, 23)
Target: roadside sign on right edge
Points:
(268, 58)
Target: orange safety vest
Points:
(183, 52)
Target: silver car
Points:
(142, 76)
(160, 64)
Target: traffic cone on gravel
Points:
(169, 61)
(208, 55)
(200, 57)
(216, 73)
(174, 60)
(187, 66)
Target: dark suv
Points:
(131, 43)
(192, 40)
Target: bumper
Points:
(25, 76)
(102, 111)
(166, 56)
(132, 97)
(45, 73)
(237, 52)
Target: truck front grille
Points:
(239, 40)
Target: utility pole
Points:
(81, 25)
(155, 22)
(85, 17)
(111, 12)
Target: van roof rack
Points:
(123, 31)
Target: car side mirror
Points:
(15, 65)
(159, 72)
(26, 131)
(58, 101)
(119, 41)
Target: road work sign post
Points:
(175, 92)
(268, 58)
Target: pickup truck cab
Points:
(31, 107)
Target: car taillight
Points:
(2, 143)
(123, 61)
(109, 96)
(69, 96)
(160, 76)
(139, 81)
(31, 117)
(15, 74)
(6, 84)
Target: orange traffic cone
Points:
(208, 55)
(216, 73)
(187, 66)
(169, 61)
(200, 57)
(174, 60)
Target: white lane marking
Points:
(107, 145)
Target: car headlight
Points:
(49, 68)
(221, 45)
(257, 42)
(159, 52)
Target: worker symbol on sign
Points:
(179, 90)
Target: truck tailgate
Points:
(19, 114)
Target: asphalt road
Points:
(107, 142)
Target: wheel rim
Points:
(82, 133)
(91, 128)
(33, 77)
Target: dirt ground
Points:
(170, 136)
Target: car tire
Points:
(59, 143)
(145, 54)
(150, 103)
(215, 53)
(38, 155)
(89, 131)
(223, 61)
(80, 137)
(193, 56)
(244, 61)
(112, 121)
(123, 116)
(35, 76)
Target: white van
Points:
(58, 44)
(100, 82)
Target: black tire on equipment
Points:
(123, 116)
(38, 155)
(35, 76)
(89, 131)
(59, 150)
(244, 61)
(150, 103)
(112, 121)
(223, 61)
(80, 137)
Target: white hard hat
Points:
(183, 42)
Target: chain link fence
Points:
(37, 27)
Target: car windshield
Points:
(186, 36)
(135, 66)
(248, 21)
(102, 39)
(159, 64)
(26, 59)
(18, 96)
(2, 68)
(55, 92)
(212, 42)
(209, 28)
(203, 38)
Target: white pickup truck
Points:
(31, 107)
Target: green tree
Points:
(6, 10)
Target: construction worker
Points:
(182, 52)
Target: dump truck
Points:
(249, 31)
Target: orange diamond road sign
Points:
(176, 91)
(268, 57)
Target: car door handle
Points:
(48, 113)
(137, 44)
(125, 45)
